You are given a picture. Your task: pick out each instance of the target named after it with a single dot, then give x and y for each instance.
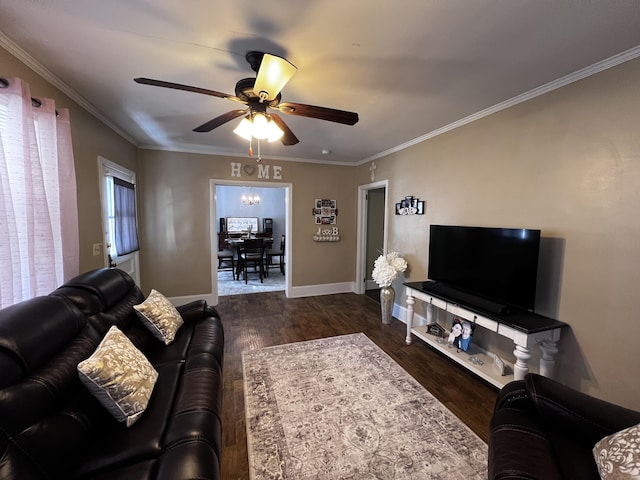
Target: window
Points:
(38, 206)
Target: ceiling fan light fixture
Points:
(275, 132)
(260, 126)
(244, 129)
(273, 75)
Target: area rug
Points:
(341, 408)
(228, 286)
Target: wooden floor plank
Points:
(265, 319)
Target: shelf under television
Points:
(485, 371)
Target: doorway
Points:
(372, 233)
(274, 206)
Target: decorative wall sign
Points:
(326, 235)
(410, 206)
(325, 212)
(264, 171)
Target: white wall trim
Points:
(317, 290)
(207, 297)
(536, 92)
(45, 73)
(400, 313)
(211, 214)
(361, 229)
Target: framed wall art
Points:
(242, 224)
(410, 206)
(325, 211)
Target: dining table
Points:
(236, 243)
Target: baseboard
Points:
(326, 289)
(371, 285)
(400, 313)
(177, 301)
(294, 292)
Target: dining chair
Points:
(252, 254)
(272, 253)
(227, 260)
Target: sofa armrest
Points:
(574, 422)
(518, 445)
(196, 310)
(563, 408)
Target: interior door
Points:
(374, 232)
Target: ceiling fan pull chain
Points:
(250, 148)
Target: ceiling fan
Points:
(259, 94)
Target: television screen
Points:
(500, 264)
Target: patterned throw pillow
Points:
(618, 455)
(160, 316)
(119, 376)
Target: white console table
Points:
(525, 329)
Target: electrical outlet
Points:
(97, 247)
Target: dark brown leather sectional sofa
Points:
(51, 427)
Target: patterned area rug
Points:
(228, 286)
(341, 408)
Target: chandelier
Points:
(250, 199)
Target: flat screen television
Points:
(499, 264)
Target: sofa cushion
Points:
(119, 376)
(618, 455)
(31, 332)
(160, 316)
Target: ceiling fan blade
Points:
(288, 138)
(187, 88)
(222, 119)
(273, 75)
(321, 113)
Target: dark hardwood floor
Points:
(265, 319)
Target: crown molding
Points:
(18, 52)
(610, 62)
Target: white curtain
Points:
(38, 206)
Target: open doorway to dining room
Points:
(240, 210)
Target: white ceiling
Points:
(409, 68)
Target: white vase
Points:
(387, 297)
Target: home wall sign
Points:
(324, 212)
(264, 171)
(410, 206)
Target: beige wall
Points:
(91, 138)
(176, 220)
(568, 163)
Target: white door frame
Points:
(361, 251)
(213, 183)
(130, 262)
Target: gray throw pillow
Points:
(119, 376)
(160, 316)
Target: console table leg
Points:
(547, 361)
(520, 368)
(410, 302)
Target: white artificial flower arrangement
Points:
(387, 268)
